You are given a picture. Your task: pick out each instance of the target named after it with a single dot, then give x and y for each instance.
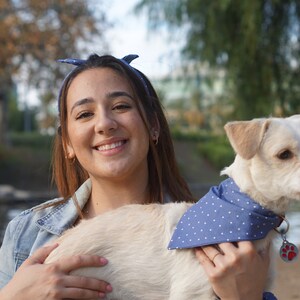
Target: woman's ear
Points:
(70, 153)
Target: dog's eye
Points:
(286, 154)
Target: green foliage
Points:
(31, 140)
(178, 133)
(26, 163)
(256, 42)
(20, 120)
(217, 151)
(214, 148)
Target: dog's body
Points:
(135, 238)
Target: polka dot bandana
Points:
(224, 214)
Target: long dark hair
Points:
(164, 176)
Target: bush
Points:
(31, 140)
(214, 148)
(182, 134)
(25, 164)
(217, 151)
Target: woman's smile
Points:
(107, 147)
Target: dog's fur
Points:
(134, 238)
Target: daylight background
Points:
(210, 61)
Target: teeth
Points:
(110, 146)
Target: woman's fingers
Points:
(76, 286)
(205, 261)
(87, 283)
(37, 280)
(81, 261)
(80, 287)
(40, 255)
(213, 253)
(235, 270)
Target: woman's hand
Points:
(236, 271)
(35, 280)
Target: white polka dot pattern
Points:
(224, 214)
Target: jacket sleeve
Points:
(7, 261)
(15, 246)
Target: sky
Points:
(158, 53)
(131, 36)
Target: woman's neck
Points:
(108, 195)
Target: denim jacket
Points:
(36, 227)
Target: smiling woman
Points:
(113, 147)
(107, 135)
(125, 94)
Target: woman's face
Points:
(106, 131)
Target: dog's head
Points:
(267, 165)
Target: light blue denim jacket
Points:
(36, 227)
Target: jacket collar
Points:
(57, 218)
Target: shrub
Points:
(217, 151)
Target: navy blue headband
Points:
(126, 60)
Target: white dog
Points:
(135, 238)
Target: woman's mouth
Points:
(111, 146)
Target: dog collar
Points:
(224, 214)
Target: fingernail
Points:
(108, 288)
(103, 261)
(101, 295)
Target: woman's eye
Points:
(121, 107)
(84, 115)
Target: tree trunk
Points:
(5, 90)
(3, 118)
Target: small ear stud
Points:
(70, 158)
(155, 136)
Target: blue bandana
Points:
(224, 214)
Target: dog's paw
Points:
(288, 252)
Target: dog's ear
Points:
(245, 136)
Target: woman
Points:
(113, 148)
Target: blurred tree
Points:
(34, 34)
(15, 115)
(257, 42)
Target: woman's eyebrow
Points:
(117, 94)
(82, 102)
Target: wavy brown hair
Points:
(164, 176)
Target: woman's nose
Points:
(105, 123)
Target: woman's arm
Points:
(236, 271)
(36, 280)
